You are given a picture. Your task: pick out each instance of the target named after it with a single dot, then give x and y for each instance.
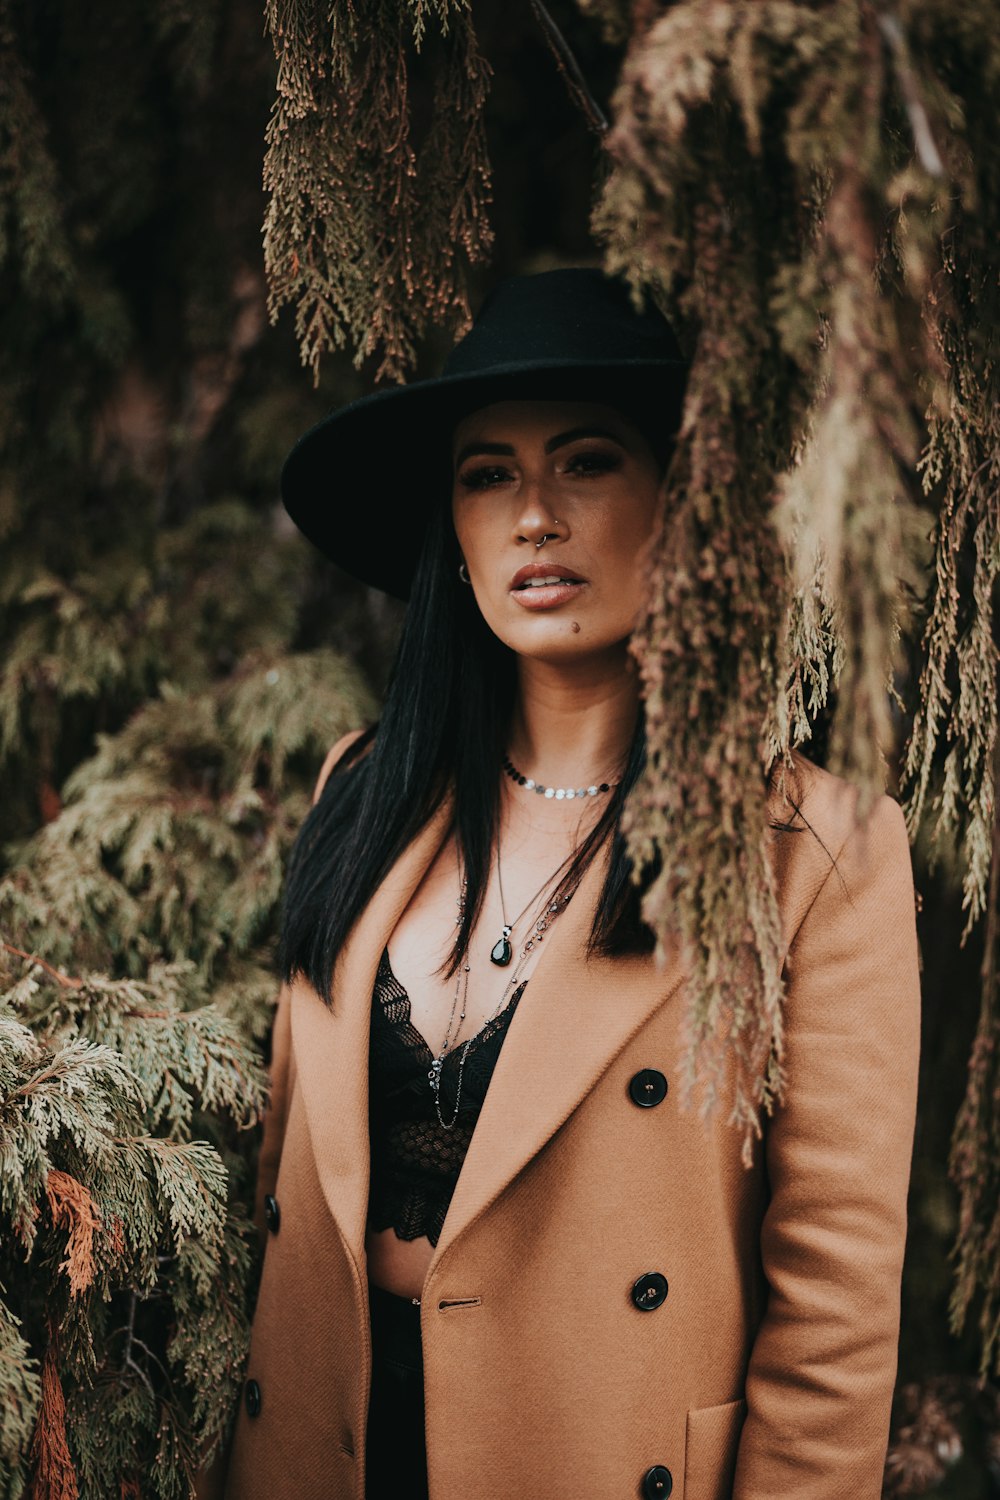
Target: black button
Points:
(251, 1395)
(647, 1088)
(650, 1291)
(657, 1483)
(272, 1213)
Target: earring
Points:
(463, 572)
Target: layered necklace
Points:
(502, 951)
(542, 924)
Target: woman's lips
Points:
(546, 595)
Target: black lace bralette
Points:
(415, 1161)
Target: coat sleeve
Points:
(210, 1481)
(823, 1364)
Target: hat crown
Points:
(577, 315)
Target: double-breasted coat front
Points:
(616, 1307)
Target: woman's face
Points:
(579, 473)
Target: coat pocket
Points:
(713, 1435)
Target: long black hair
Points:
(444, 723)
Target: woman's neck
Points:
(573, 722)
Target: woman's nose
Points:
(536, 517)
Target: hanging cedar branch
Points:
(570, 70)
(752, 187)
(369, 233)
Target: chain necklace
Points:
(543, 922)
(501, 952)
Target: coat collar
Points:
(575, 1015)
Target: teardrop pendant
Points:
(501, 952)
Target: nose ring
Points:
(545, 538)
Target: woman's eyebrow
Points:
(495, 450)
(582, 432)
(506, 450)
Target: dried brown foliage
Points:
(727, 197)
(72, 1208)
(368, 230)
(53, 1476)
(975, 1154)
(713, 603)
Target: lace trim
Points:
(415, 1161)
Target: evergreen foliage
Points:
(372, 220)
(827, 174)
(763, 180)
(172, 839)
(122, 1091)
(169, 685)
(129, 1232)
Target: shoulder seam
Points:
(854, 829)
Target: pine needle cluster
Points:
(373, 219)
(172, 840)
(757, 156)
(125, 1275)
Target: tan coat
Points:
(767, 1371)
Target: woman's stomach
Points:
(397, 1265)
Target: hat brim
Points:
(361, 483)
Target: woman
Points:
(499, 1256)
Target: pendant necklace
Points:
(501, 952)
(542, 923)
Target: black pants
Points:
(396, 1451)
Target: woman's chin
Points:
(562, 638)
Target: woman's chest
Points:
(457, 1006)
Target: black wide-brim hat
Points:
(362, 482)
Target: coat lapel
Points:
(331, 1043)
(575, 1016)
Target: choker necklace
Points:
(559, 792)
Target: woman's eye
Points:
(588, 462)
(483, 477)
(593, 462)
